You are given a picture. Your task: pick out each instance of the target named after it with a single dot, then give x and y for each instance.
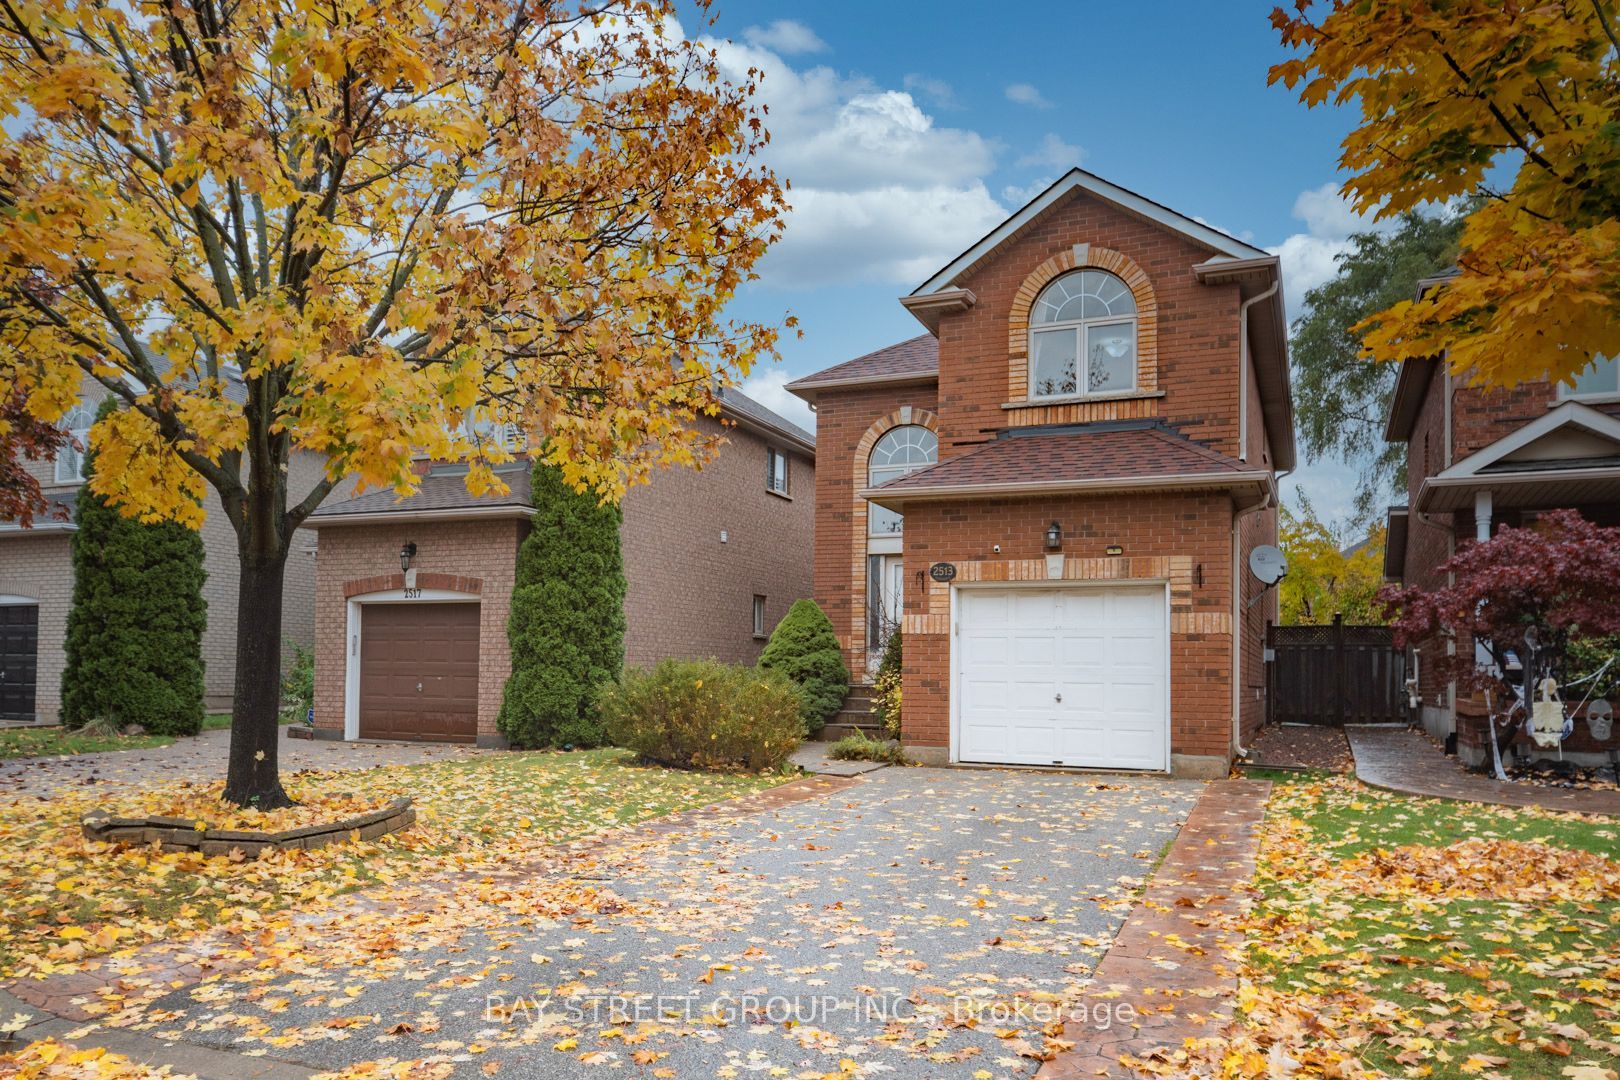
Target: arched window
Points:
(1082, 337)
(900, 451)
(70, 458)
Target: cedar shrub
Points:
(566, 627)
(805, 649)
(134, 634)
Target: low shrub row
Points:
(702, 714)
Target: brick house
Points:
(1055, 488)
(1479, 458)
(713, 558)
(36, 583)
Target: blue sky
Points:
(909, 130)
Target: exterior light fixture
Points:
(1114, 549)
(406, 554)
(1054, 537)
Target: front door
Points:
(19, 660)
(887, 603)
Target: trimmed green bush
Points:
(134, 634)
(702, 714)
(886, 687)
(805, 649)
(566, 627)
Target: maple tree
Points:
(1530, 592)
(368, 230)
(1510, 104)
(23, 437)
(1327, 574)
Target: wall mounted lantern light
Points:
(1054, 537)
(406, 554)
(1114, 549)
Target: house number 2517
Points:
(413, 594)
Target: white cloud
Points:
(880, 192)
(1054, 153)
(1025, 94)
(785, 37)
(937, 92)
(768, 386)
(1017, 195)
(1310, 258)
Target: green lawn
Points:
(57, 741)
(1505, 985)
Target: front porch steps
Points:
(855, 717)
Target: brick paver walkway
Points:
(1399, 759)
(1171, 961)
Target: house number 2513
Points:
(413, 594)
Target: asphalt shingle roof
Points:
(917, 356)
(746, 406)
(439, 491)
(1111, 454)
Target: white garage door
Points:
(1063, 677)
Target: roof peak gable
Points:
(1077, 179)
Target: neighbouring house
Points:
(713, 558)
(1054, 490)
(36, 582)
(1479, 458)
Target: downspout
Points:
(1237, 518)
(1239, 611)
(1243, 366)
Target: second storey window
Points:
(1600, 379)
(1082, 337)
(776, 471)
(900, 451)
(70, 459)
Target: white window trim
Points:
(760, 616)
(1602, 397)
(772, 456)
(1082, 360)
(873, 536)
(80, 421)
(351, 654)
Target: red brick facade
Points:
(698, 546)
(1453, 421)
(1188, 378)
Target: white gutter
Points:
(454, 513)
(1040, 487)
(1243, 365)
(1238, 613)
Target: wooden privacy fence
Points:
(1334, 675)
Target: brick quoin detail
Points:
(1084, 257)
(905, 416)
(389, 582)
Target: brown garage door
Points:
(419, 672)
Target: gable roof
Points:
(1118, 456)
(1568, 456)
(1080, 180)
(913, 360)
(747, 412)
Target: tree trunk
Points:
(253, 777)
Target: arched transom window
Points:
(900, 451)
(1082, 337)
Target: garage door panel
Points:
(419, 672)
(1063, 676)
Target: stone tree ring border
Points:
(1084, 257)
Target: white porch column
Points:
(1482, 515)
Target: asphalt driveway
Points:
(921, 923)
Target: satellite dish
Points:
(1268, 564)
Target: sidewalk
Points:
(1399, 759)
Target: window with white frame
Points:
(70, 459)
(1600, 379)
(759, 616)
(776, 471)
(1082, 337)
(901, 450)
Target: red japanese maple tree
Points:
(23, 437)
(1529, 592)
